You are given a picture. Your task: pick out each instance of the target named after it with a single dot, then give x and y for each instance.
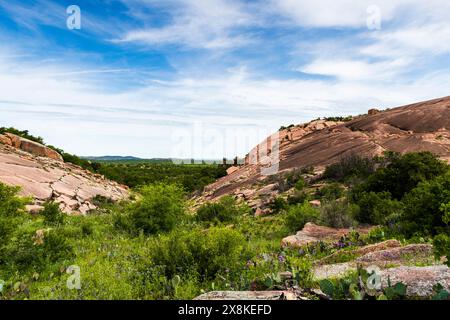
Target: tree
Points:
(160, 209)
(426, 207)
(405, 172)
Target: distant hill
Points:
(136, 160)
(113, 158)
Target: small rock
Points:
(315, 203)
(232, 170)
(34, 209)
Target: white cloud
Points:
(357, 70)
(354, 14)
(84, 119)
(75, 108)
(209, 24)
(411, 40)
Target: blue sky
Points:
(207, 78)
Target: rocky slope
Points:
(423, 126)
(43, 176)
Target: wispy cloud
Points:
(225, 64)
(208, 24)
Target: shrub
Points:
(52, 214)
(330, 191)
(297, 197)
(87, 228)
(278, 204)
(160, 209)
(350, 166)
(11, 209)
(294, 178)
(376, 208)
(298, 215)
(441, 244)
(300, 184)
(338, 214)
(426, 208)
(404, 173)
(26, 252)
(10, 204)
(225, 210)
(22, 133)
(203, 253)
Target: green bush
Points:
(377, 208)
(426, 208)
(278, 204)
(330, 191)
(350, 166)
(225, 210)
(404, 173)
(12, 209)
(300, 184)
(298, 215)
(160, 208)
(27, 252)
(10, 204)
(22, 133)
(441, 244)
(52, 214)
(297, 197)
(204, 254)
(338, 214)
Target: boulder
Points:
(362, 251)
(399, 255)
(419, 280)
(29, 146)
(5, 140)
(39, 150)
(393, 243)
(34, 209)
(231, 170)
(267, 190)
(46, 179)
(15, 140)
(313, 233)
(333, 271)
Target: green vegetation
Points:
(225, 210)
(354, 287)
(192, 177)
(21, 133)
(300, 214)
(158, 247)
(138, 173)
(339, 119)
(52, 214)
(349, 167)
(160, 209)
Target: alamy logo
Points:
(74, 281)
(74, 19)
(374, 279)
(374, 19)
